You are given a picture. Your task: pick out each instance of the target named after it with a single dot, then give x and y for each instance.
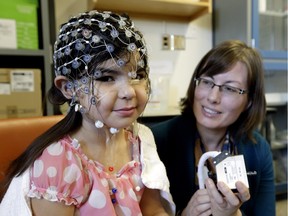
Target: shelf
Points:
(279, 145)
(274, 13)
(170, 111)
(21, 52)
(276, 99)
(185, 10)
(36, 58)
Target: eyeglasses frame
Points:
(240, 91)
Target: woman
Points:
(224, 105)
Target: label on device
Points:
(230, 169)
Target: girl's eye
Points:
(105, 79)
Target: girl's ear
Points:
(61, 83)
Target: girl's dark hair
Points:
(73, 32)
(219, 60)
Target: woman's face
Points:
(120, 97)
(216, 108)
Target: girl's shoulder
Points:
(66, 150)
(59, 173)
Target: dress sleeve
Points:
(58, 175)
(154, 172)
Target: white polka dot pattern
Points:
(55, 149)
(69, 176)
(38, 168)
(97, 199)
(132, 194)
(51, 172)
(71, 173)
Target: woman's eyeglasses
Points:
(206, 84)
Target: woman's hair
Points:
(83, 43)
(221, 59)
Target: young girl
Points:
(98, 160)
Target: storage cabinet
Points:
(165, 9)
(262, 24)
(270, 24)
(39, 58)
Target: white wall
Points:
(198, 34)
(65, 9)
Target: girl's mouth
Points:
(125, 111)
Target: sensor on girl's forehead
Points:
(230, 169)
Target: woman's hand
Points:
(199, 204)
(210, 201)
(227, 203)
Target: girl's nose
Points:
(126, 91)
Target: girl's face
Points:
(216, 108)
(121, 97)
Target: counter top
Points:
(276, 99)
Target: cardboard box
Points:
(24, 13)
(20, 93)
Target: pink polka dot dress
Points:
(63, 173)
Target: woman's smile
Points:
(210, 112)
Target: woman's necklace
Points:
(227, 145)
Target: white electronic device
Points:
(229, 168)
